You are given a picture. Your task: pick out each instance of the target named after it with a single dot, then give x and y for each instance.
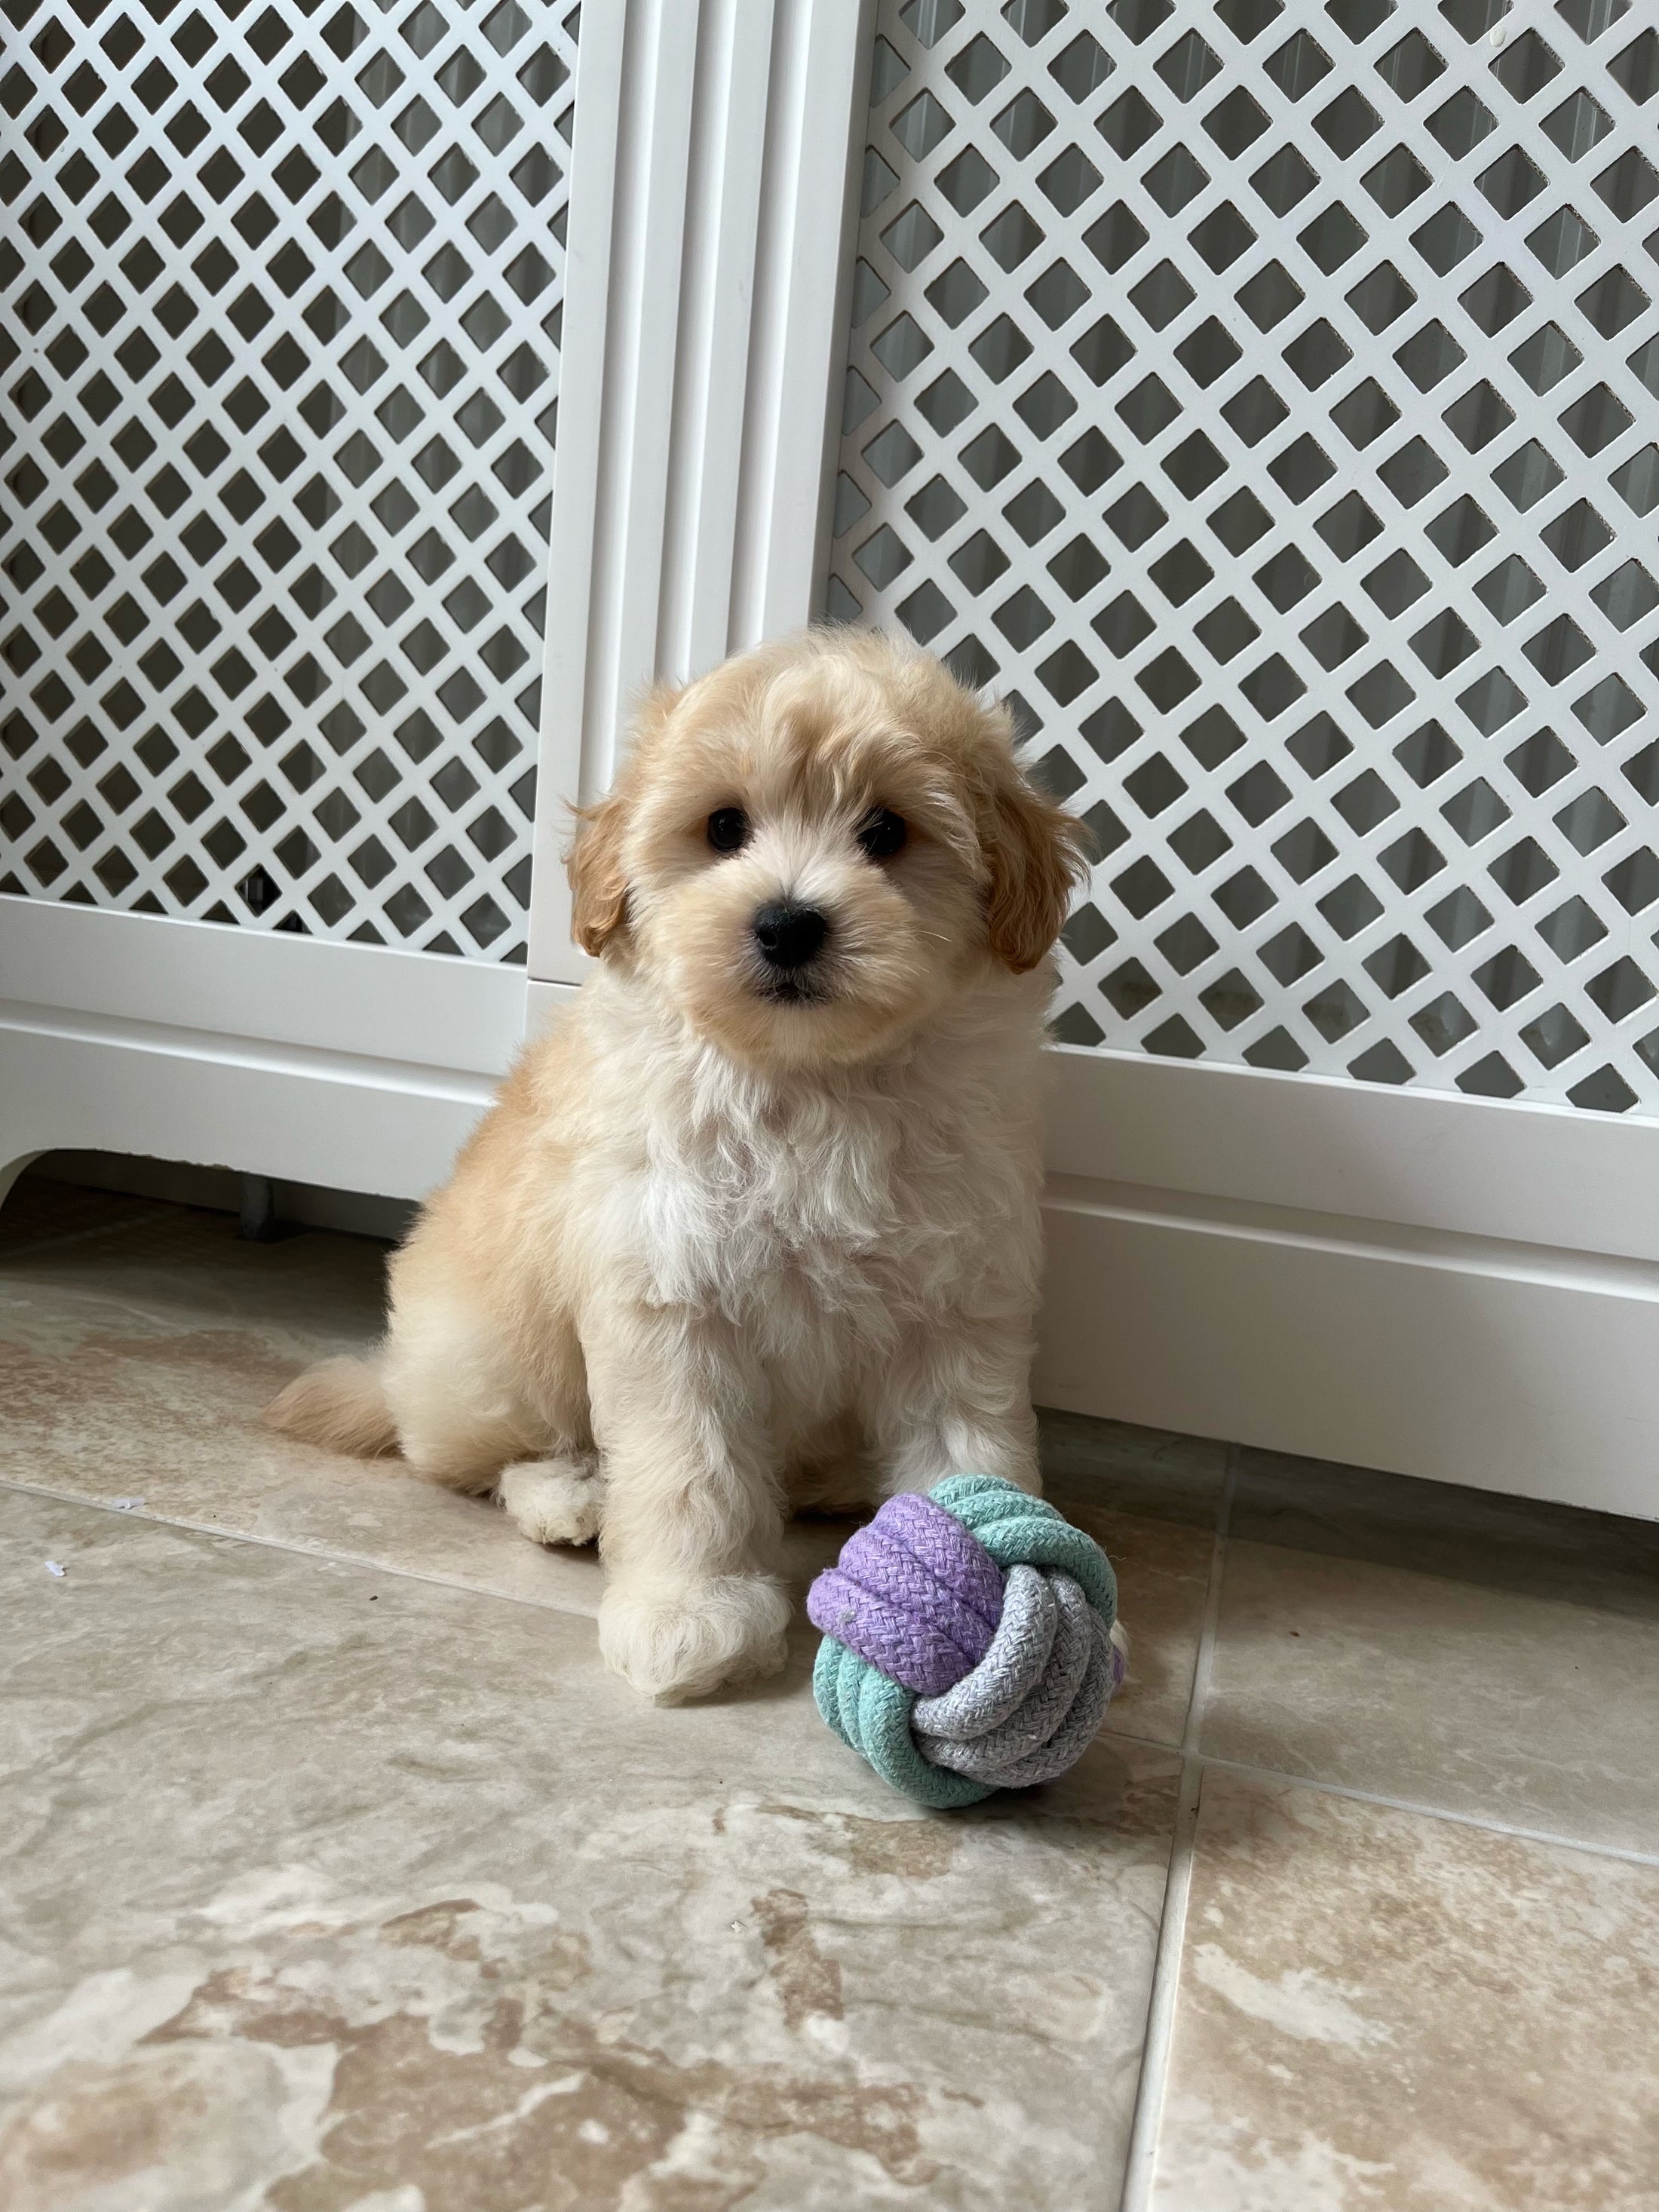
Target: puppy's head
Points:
(811, 850)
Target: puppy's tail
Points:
(340, 1404)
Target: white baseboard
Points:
(1506, 1366)
(354, 1068)
(88, 1083)
(1435, 1159)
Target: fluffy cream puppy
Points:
(755, 1223)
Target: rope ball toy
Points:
(968, 1641)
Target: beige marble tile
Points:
(138, 1343)
(1380, 2012)
(1150, 1500)
(1162, 1578)
(38, 1207)
(326, 1889)
(1150, 1472)
(157, 1261)
(135, 1357)
(1518, 1544)
(1482, 1655)
(134, 1363)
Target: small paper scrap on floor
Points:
(126, 1505)
(54, 1568)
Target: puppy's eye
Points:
(882, 833)
(729, 828)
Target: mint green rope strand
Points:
(870, 1714)
(1017, 1529)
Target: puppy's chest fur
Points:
(846, 1210)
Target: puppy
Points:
(755, 1224)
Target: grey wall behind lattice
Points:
(280, 363)
(1266, 395)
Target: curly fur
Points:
(710, 1255)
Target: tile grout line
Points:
(357, 1560)
(1420, 1808)
(1139, 2165)
(1427, 1811)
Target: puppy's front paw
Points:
(554, 1501)
(675, 1643)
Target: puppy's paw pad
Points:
(670, 1647)
(553, 1501)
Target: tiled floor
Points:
(338, 1874)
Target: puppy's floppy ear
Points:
(598, 885)
(1036, 854)
(598, 880)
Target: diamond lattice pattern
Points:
(1267, 396)
(279, 368)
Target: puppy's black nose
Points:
(789, 935)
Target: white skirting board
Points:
(171, 1094)
(1504, 1366)
(349, 1066)
(1444, 1286)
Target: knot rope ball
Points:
(968, 1641)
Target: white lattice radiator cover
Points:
(1266, 394)
(279, 366)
